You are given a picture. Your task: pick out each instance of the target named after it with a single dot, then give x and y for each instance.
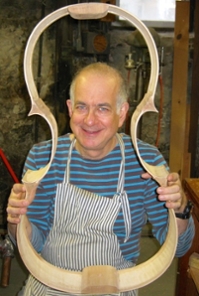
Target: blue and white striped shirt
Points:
(101, 177)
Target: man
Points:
(91, 206)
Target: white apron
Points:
(82, 232)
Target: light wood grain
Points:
(88, 280)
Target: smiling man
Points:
(92, 204)
(96, 111)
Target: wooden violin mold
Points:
(93, 279)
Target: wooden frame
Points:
(93, 279)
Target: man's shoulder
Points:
(141, 144)
(146, 150)
(63, 140)
(43, 149)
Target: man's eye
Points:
(104, 109)
(80, 107)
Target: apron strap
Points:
(67, 171)
(126, 213)
(120, 185)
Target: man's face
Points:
(94, 117)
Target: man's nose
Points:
(90, 117)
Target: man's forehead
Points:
(87, 76)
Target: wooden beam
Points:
(194, 108)
(186, 160)
(179, 92)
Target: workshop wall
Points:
(19, 132)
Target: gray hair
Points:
(102, 69)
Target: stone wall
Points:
(19, 132)
(148, 130)
(18, 18)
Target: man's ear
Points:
(123, 112)
(69, 105)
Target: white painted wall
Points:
(151, 11)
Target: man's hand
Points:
(173, 196)
(17, 206)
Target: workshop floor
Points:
(164, 286)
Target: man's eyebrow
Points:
(80, 102)
(99, 105)
(104, 104)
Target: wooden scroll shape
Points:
(93, 279)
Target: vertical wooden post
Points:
(178, 138)
(194, 108)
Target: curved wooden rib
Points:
(150, 270)
(45, 272)
(159, 173)
(64, 280)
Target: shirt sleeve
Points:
(185, 239)
(157, 213)
(37, 239)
